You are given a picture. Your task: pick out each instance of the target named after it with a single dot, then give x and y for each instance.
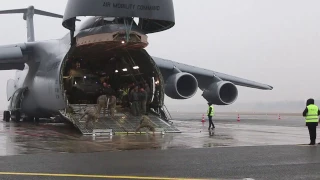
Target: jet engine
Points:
(221, 93)
(181, 86)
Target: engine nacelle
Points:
(221, 93)
(181, 86)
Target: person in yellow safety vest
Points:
(210, 113)
(124, 98)
(311, 114)
(125, 91)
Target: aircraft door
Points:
(16, 99)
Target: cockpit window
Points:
(110, 19)
(97, 21)
(101, 21)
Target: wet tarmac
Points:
(25, 138)
(256, 147)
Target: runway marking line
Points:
(306, 145)
(93, 176)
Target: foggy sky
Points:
(268, 41)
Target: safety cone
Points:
(238, 118)
(203, 120)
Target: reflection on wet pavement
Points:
(24, 138)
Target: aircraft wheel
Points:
(36, 120)
(6, 116)
(17, 116)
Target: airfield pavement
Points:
(256, 147)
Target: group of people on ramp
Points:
(105, 102)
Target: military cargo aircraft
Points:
(109, 41)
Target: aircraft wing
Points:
(13, 57)
(205, 76)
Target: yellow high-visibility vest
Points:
(212, 112)
(125, 92)
(312, 115)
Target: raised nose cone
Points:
(154, 16)
(110, 33)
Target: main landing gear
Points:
(16, 117)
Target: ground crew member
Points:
(145, 122)
(311, 114)
(112, 105)
(102, 103)
(210, 113)
(149, 93)
(91, 116)
(125, 97)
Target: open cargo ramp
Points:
(122, 123)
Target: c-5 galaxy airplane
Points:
(109, 41)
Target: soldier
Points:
(145, 122)
(147, 89)
(143, 100)
(102, 103)
(77, 71)
(134, 98)
(91, 116)
(112, 103)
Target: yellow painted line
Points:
(305, 145)
(92, 176)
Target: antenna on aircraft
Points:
(28, 14)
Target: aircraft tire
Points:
(6, 116)
(36, 120)
(17, 116)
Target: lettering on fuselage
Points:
(53, 85)
(53, 66)
(57, 89)
(131, 6)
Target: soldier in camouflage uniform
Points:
(91, 116)
(146, 123)
(102, 103)
(112, 104)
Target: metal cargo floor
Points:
(123, 122)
